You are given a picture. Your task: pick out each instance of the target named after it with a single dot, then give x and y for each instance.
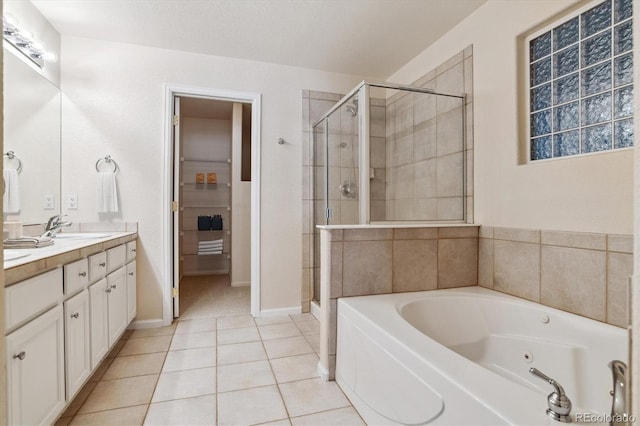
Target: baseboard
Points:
(323, 372)
(315, 309)
(152, 323)
(280, 311)
(240, 283)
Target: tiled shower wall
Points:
(582, 273)
(425, 150)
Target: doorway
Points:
(212, 176)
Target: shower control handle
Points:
(558, 402)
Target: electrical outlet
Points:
(49, 202)
(72, 201)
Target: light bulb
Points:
(49, 56)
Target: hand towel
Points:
(107, 193)
(27, 242)
(11, 197)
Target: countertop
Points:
(63, 251)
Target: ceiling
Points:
(369, 38)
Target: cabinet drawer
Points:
(116, 258)
(31, 297)
(97, 266)
(76, 276)
(131, 251)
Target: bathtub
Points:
(462, 356)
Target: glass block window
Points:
(581, 83)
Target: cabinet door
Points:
(35, 370)
(131, 291)
(97, 266)
(117, 304)
(77, 340)
(99, 308)
(76, 276)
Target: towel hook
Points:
(107, 159)
(12, 156)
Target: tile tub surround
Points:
(583, 273)
(378, 259)
(266, 375)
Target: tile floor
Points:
(216, 370)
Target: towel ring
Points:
(107, 159)
(12, 156)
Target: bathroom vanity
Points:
(66, 306)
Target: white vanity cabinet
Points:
(77, 339)
(60, 325)
(117, 304)
(132, 298)
(99, 308)
(35, 350)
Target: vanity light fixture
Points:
(23, 41)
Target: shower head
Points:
(352, 109)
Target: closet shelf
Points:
(223, 185)
(224, 255)
(188, 160)
(202, 206)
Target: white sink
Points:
(80, 236)
(14, 254)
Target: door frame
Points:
(171, 91)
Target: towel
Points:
(207, 252)
(27, 242)
(210, 243)
(11, 198)
(217, 245)
(107, 193)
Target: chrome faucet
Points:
(619, 408)
(54, 225)
(558, 402)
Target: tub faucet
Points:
(619, 409)
(558, 402)
(54, 225)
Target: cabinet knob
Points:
(103, 264)
(108, 290)
(131, 273)
(114, 286)
(20, 355)
(83, 274)
(76, 315)
(133, 250)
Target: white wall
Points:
(591, 193)
(240, 209)
(113, 104)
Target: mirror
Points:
(32, 132)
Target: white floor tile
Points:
(281, 319)
(236, 321)
(312, 396)
(347, 416)
(279, 331)
(199, 410)
(185, 384)
(288, 346)
(193, 340)
(293, 368)
(196, 326)
(241, 352)
(265, 402)
(243, 376)
(188, 359)
(238, 335)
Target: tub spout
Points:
(558, 402)
(619, 414)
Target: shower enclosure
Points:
(388, 153)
